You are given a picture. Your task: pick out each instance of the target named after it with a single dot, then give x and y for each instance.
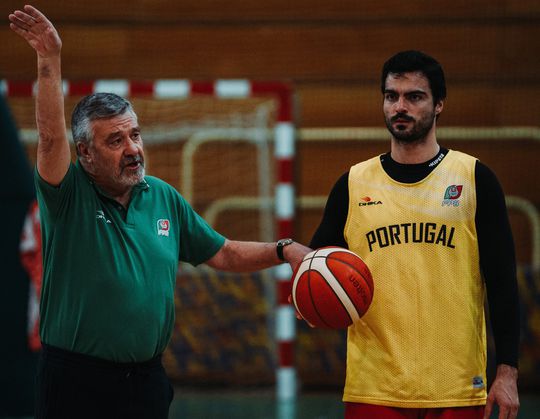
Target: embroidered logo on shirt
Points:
(478, 382)
(100, 215)
(452, 195)
(163, 226)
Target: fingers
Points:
(508, 412)
(296, 313)
(505, 414)
(21, 23)
(21, 19)
(487, 410)
(27, 18)
(35, 13)
(505, 411)
(16, 23)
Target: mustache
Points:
(402, 116)
(132, 159)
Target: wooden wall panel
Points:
(485, 52)
(467, 104)
(99, 11)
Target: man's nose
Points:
(131, 147)
(400, 105)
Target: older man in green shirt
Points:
(112, 238)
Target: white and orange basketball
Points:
(332, 288)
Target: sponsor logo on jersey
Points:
(437, 160)
(478, 382)
(452, 195)
(366, 200)
(433, 233)
(100, 215)
(163, 227)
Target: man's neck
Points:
(416, 152)
(122, 196)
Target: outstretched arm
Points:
(243, 256)
(53, 154)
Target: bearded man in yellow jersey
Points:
(436, 236)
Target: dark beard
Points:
(417, 134)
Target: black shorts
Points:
(72, 385)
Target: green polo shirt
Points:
(108, 273)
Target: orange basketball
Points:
(332, 288)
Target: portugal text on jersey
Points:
(411, 233)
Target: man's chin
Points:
(405, 136)
(133, 178)
(406, 139)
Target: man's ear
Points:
(439, 107)
(83, 151)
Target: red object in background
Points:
(30, 249)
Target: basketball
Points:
(332, 288)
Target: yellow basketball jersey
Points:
(422, 342)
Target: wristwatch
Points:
(280, 245)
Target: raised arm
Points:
(53, 154)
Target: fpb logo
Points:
(452, 195)
(163, 226)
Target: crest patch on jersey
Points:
(452, 195)
(163, 226)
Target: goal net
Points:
(216, 146)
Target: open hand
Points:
(38, 31)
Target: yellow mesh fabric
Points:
(422, 342)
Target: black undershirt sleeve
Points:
(498, 264)
(495, 242)
(332, 226)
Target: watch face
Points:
(285, 242)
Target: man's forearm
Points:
(243, 256)
(53, 147)
(50, 102)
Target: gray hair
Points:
(92, 107)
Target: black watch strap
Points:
(280, 245)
